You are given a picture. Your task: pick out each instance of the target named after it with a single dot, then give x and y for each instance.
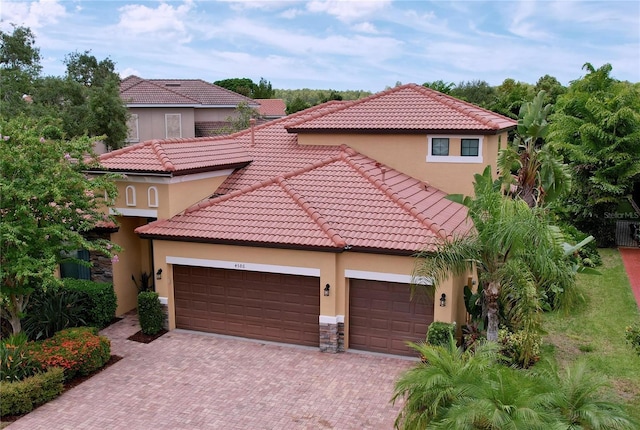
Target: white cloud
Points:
(128, 71)
(525, 23)
(366, 27)
(34, 15)
(164, 22)
(290, 13)
(346, 10)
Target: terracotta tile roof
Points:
(337, 202)
(192, 92)
(272, 107)
(176, 156)
(415, 109)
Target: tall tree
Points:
(510, 96)
(596, 128)
(243, 86)
(263, 90)
(47, 206)
(88, 71)
(552, 88)
(477, 92)
(516, 252)
(19, 68)
(440, 86)
(537, 174)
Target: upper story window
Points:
(469, 147)
(132, 126)
(440, 146)
(152, 197)
(454, 149)
(130, 195)
(173, 125)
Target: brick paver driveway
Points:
(186, 380)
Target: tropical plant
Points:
(53, 309)
(596, 128)
(536, 173)
(15, 360)
(452, 389)
(517, 253)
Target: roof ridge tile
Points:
(455, 103)
(157, 148)
(389, 192)
(313, 213)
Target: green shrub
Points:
(519, 348)
(53, 309)
(632, 335)
(588, 255)
(440, 332)
(100, 298)
(150, 312)
(77, 350)
(15, 360)
(21, 397)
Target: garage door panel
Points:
(265, 306)
(382, 317)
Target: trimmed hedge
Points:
(150, 312)
(100, 298)
(23, 396)
(77, 350)
(440, 332)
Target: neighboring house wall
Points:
(152, 123)
(409, 153)
(215, 114)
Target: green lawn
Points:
(594, 330)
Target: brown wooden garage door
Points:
(382, 317)
(267, 306)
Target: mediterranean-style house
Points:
(304, 229)
(177, 108)
(271, 109)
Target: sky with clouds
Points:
(338, 44)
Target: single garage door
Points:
(267, 306)
(382, 317)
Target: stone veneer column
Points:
(329, 338)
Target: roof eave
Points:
(294, 130)
(169, 174)
(254, 244)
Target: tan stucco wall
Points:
(151, 122)
(172, 198)
(332, 271)
(408, 153)
(134, 259)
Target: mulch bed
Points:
(146, 338)
(67, 386)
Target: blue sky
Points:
(338, 44)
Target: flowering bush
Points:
(77, 350)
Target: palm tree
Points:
(540, 175)
(515, 251)
(455, 389)
(446, 376)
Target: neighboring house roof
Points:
(407, 108)
(272, 108)
(188, 92)
(176, 156)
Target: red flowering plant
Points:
(79, 351)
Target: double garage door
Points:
(267, 306)
(382, 317)
(285, 308)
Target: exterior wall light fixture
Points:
(326, 289)
(443, 300)
(159, 274)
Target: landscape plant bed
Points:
(146, 338)
(7, 419)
